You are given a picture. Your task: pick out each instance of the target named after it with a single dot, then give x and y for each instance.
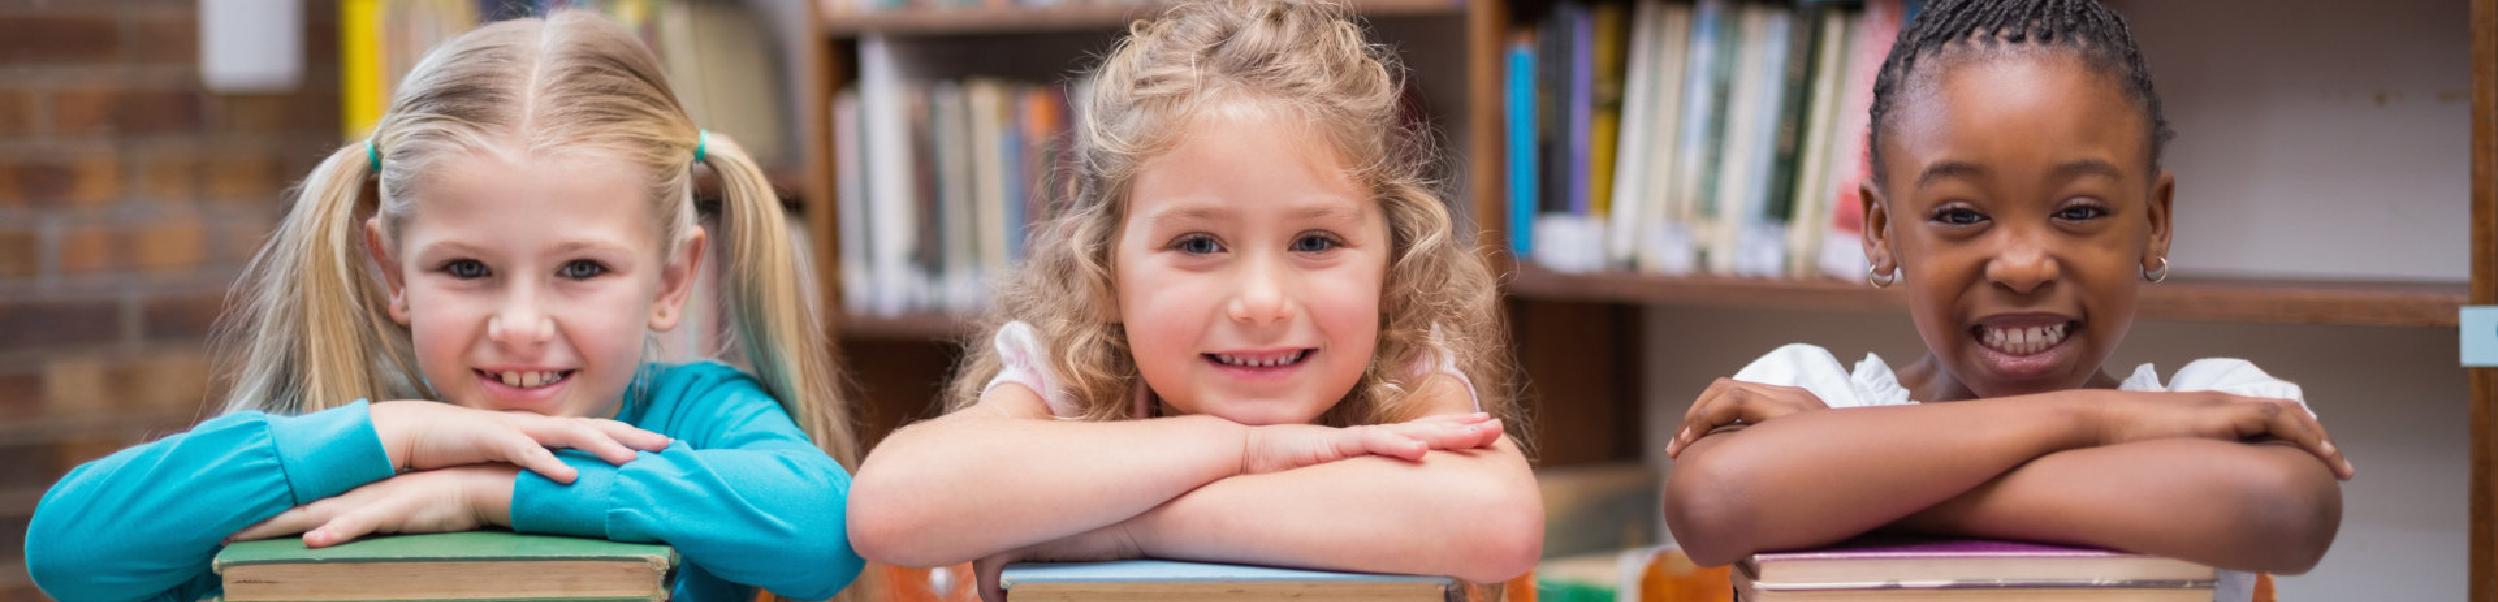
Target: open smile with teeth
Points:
(527, 379)
(2021, 341)
(1261, 360)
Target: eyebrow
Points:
(2063, 171)
(1211, 212)
(565, 248)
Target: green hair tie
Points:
(702, 140)
(372, 156)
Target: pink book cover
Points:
(1902, 547)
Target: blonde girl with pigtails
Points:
(1254, 335)
(449, 331)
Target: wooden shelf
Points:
(1019, 19)
(2357, 303)
(930, 325)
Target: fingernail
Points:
(1471, 428)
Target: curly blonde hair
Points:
(1299, 56)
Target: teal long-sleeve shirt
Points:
(741, 493)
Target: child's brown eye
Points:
(2081, 213)
(465, 269)
(1958, 216)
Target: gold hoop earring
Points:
(2158, 275)
(1874, 276)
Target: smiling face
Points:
(2019, 206)
(530, 283)
(1248, 270)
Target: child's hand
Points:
(2127, 416)
(1729, 401)
(1281, 447)
(459, 498)
(425, 435)
(1106, 543)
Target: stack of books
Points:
(1875, 569)
(474, 565)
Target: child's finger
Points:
(631, 436)
(1459, 418)
(347, 526)
(574, 434)
(1390, 442)
(292, 521)
(521, 450)
(2311, 436)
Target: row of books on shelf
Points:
(936, 182)
(717, 59)
(1683, 137)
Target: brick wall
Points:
(130, 197)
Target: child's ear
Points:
(1877, 233)
(676, 281)
(379, 250)
(2155, 247)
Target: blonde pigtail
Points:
(772, 326)
(309, 326)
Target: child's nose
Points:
(521, 321)
(2023, 267)
(1264, 296)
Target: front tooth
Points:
(529, 380)
(511, 379)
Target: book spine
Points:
(1520, 114)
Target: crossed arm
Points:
(2234, 482)
(1447, 494)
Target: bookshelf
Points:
(2331, 302)
(1578, 336)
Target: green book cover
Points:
(473, 566)
(472, 546)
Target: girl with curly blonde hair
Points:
(1254, 334)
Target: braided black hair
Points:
(2083, 27)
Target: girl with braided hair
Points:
(2017, 195)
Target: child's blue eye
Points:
(1958, 216)
(1197, 244)
(1315, 243)
(466, 269)
(581, 269)
(2079, 213)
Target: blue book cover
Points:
(1521, 117)
(1582, 106)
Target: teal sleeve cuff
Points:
(540, 505)
(328, 452)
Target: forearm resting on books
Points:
(964, 486)
(2245, 506)
(1474, 515)
(1814, 478)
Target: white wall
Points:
(2315, 120)
(2392, 398)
